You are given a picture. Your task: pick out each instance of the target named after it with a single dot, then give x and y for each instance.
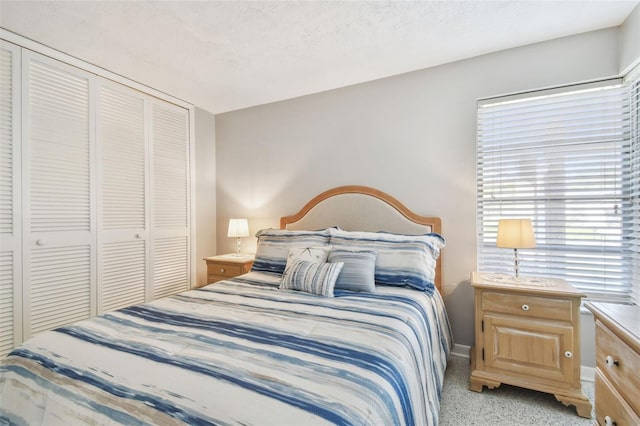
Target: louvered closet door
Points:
(10, 217)
(58, 200)
(122, 245)
(170, 194)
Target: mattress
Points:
(238, 352)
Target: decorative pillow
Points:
(402, 260)
(310, 254)
(274, 245)
(358, 272)
(310, 277)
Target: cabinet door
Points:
(525, 348)
(123, 189)
(10, 203)
(58, 194)
(171, 201)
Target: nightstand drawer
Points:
(528, 306)
(226, 270)
(609, 403)
(623, 366)
(227, 266)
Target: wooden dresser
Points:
(617, 389)
(528, 335)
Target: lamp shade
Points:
(515, 233)
(238, 228)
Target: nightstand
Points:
(527, 334)
(227, 266)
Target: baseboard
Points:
(461, 351)
(587, 374)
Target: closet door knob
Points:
(139, 235)
(40, 242)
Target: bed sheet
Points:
(238, 352)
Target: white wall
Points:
(412, 136)
(630, 41)
(205, 191)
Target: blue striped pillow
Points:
(311, 277)
(274, 246)
(358, 272)
(402, 260)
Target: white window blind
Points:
(560, 158)
(632, 181)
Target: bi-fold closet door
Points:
(143, 197)
(95, 195)
(10, 202)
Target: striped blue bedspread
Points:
(238, 352)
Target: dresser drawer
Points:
(528, 306)
(623, 367)
(609, 404)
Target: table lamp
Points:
(515, 234)
(238, 228)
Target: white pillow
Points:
(310, 254)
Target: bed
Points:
(337, 323)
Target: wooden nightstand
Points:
(227, 266)
(529, 336)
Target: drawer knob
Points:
(611, 362)
(568, 354)
(608, 421)
(221, 270)
(525, 307)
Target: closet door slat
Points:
(123, 274)
(170, 266)
(59, 149)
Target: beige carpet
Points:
(506, 405)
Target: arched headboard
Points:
(361, 208)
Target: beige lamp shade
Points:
(515, 233)
(238, 228)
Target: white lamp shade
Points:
(238, 228)
(515, 233)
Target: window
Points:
(564, 158)
(632, 208)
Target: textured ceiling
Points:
(228, 55)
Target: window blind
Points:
(632, 208)
(558, 157)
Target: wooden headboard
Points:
(360, 208)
